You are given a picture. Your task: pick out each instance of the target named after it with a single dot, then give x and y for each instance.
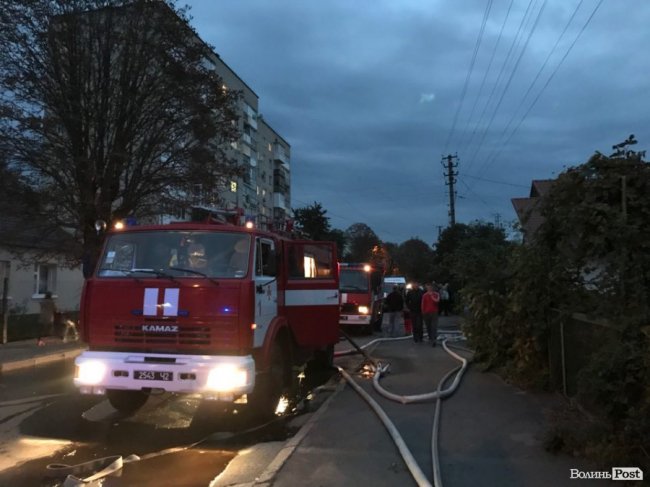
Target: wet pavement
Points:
(491, 433)
(41, 411)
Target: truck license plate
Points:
(152, 375)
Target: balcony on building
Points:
(280, 181)
(279, 201)
(280, 155)
(250, 115)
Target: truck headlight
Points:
(91, 372)
(363, 310)
(226, 377)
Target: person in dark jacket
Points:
(414, 304)
(394, 305)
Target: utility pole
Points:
(497, 220)
(450, 163)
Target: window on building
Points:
(233, 186)
(44, 279)
(270, 147)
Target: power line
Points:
(548, 81)
(488, 205)
(469, 72)
(492, 156)
(480, 91)
(512, 73)
(501, 72)
(495, 181)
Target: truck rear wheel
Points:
(126, 402)
(270, 386)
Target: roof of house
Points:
(528, 209)
(540, 187)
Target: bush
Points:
(27, 326)
(23, 327)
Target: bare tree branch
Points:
(111, 108)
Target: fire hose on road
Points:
(440, 393)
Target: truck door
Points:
(266, 288)
(311, 298)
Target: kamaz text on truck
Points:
(361, 297)
(216, 309)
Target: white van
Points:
(391, 281)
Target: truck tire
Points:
(126, 402)
(270, 386)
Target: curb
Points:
(40, 360)
(268, 475)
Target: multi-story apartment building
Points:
(264, 190)
(274, 177)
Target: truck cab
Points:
(220, 310)
(361, 297)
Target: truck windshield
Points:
(176, 254)
(353, 281)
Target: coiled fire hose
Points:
(439, 394)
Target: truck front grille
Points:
(186, 335)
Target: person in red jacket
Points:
(429, 307)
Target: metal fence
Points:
(573, 341)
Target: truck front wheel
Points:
(270, 386)
(126, 402)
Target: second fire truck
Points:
(361, 296)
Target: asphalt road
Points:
(491, 433)
(43, 420)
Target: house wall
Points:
(67, 284)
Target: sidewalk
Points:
(25, 353)
(491, 432)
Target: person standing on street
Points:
(430, 301)
(46, 319)
(394, 306)
(414, 304)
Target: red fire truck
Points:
(216, 309)
(361, 296)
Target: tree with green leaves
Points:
(111, 108)
(415, 260)
(472, 254)
(361, 240)
(590, 255)
(312, 221)
(338, 236)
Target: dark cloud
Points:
(366, 92)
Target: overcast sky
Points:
(367, 93)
